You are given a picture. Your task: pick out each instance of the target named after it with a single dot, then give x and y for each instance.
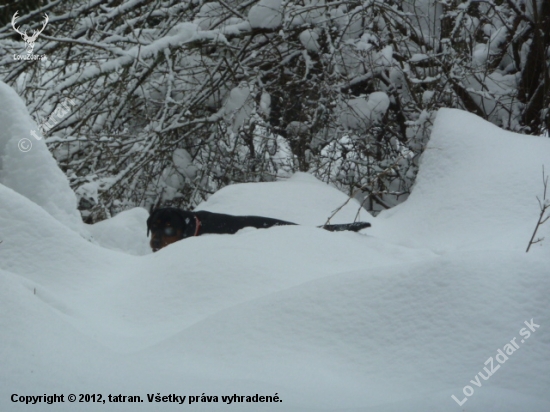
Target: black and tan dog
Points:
(168, 225)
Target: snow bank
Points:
(476, 189)
(413, 334)
(301, 199)
(125, 232)
(398, 318)
(28, 167)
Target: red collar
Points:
(197, 225)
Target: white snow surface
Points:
(300, 199)
(481, 185)
(124, 232)
(33, 173)
(399, 317)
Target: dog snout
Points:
(155, 243)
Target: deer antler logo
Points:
(30, 40)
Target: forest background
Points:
(146, 102)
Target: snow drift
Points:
(397, 318)
(27, 166)
(477, 188)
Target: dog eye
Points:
(169, 231)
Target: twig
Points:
(363, 187)
(544, 206)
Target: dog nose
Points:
(155, 243)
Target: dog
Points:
(169, 225)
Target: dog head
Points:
(167, 225)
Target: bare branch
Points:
(544, 206)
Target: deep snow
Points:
(397, 318)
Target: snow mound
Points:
(301, 199)
(28, 167)
(327, 321)
(407, 326)
(125, 232)
(38, 247)
(477, 188)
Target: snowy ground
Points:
(400, 317)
